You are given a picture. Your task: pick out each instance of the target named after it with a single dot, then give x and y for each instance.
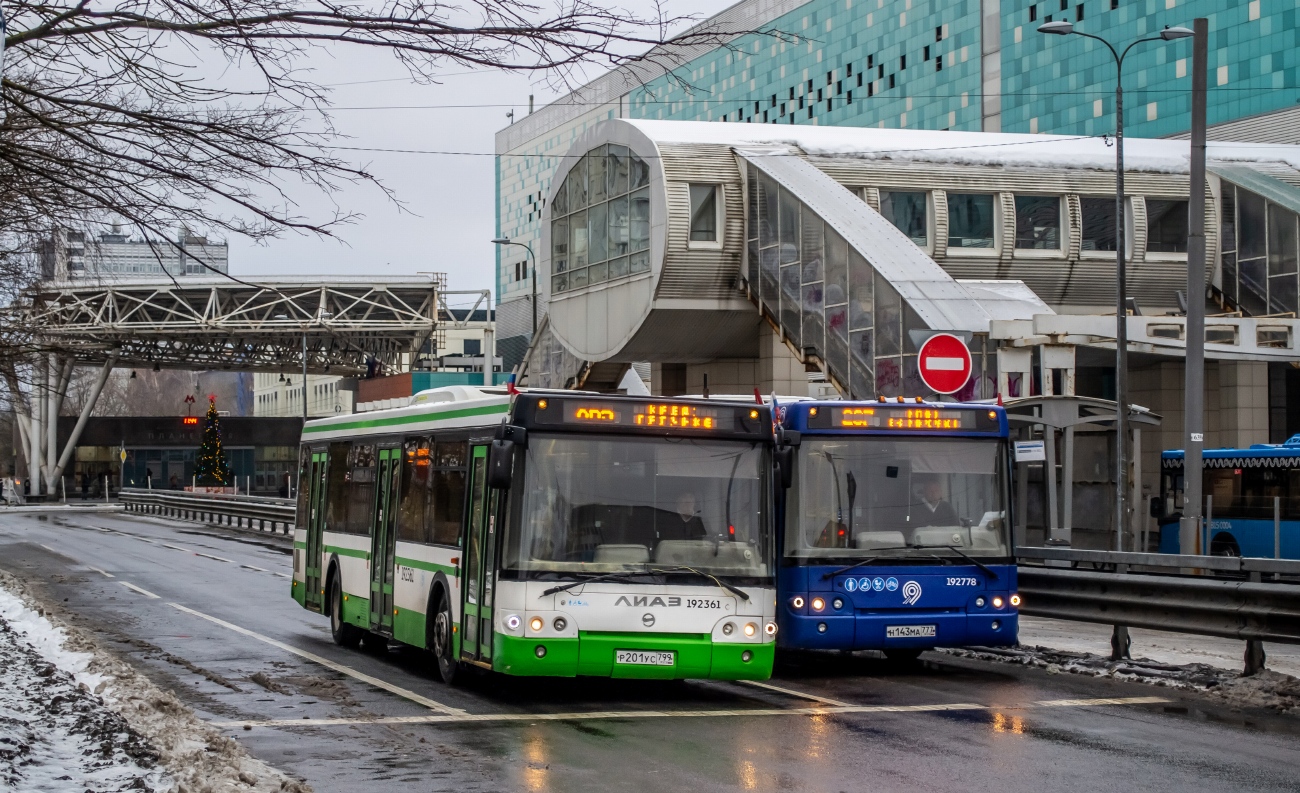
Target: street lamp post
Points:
(532, 277)
(1063, 28)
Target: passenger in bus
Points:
(686, 524)
(933, 509)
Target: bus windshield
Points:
(856, 497)
(600, 505)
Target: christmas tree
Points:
(211, 469)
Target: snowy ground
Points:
(74, 718)
(55, 734)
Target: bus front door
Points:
(383, 541)
(478, 573)
(316, 483)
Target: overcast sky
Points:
(448, 219)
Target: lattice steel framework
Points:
(216, 323)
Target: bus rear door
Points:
(383, 541)
(477, 572)
(317, 484)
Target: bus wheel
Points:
(345, 635)
(443, 647)
(1224, 545)
(903, 655)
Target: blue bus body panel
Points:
(942, 596)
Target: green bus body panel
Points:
(592, 654)
(347, 552)
(400, 421)
(431, 567)
(356, 611)
(409, 626)
(299, 592)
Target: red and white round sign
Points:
(944, 363)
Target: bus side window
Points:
(417, 477)
(337, 510)
(447, 509)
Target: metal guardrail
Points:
(275, 515)
(1104, 587)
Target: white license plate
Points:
(909, 631)
(643, 658)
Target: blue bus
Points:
(895, 527)
(1241, 486)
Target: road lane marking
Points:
(51, 550)
(141, 590)
(470, 718)
(101, 572)
(801, 695)
(337, 667)
(255, 567)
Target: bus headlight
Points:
(818, 604)
(770, 629)
(536, 623)
(997, 601)
(728, 629)
(797, 601)
(1015, 600)
(837, 604)
(560, 624)
(750, 629)
(979, 602)
(513, 622)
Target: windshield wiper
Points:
(868, 560)
(979, 564)
(738, 592)
(604, 576)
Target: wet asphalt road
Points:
(208, 614)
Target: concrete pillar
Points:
(1243, 403)
(779, 370)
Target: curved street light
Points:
(1063, 28)
(532, 273)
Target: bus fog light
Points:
(540, 651)
(837, 604)
(750, 629)
(536, 623)
(560, 623)
(1015, 600)
(821, 627)
(513, 622)
(747, 656)
(818, 604)
(979, 602)
(797, 602)
(728, 629)
(770, 629)
(997, 601)
(997, 625)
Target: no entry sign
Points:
(944, 363)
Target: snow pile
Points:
(137, 736)
(54, 733)
(1268, 689)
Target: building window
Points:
(970, 220)
(1033, 13)
(1114, 5)
(938, 33)
(938, 63)
(1038, 222)
(1078, 13)
(473, 347)
(907, 212)
(926, 53)
(1098, 224)
(1282, 260)
(902, 62)
(595, 240)
(1166, 226)
(704, 213)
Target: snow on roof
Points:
(966, 148)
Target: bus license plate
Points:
(909, 631)
(643, 658)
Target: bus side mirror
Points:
(785, 464)
(501, 463)
(1157, 507)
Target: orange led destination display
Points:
(901, 418)
(659, 414)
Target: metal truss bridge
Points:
(217, 323)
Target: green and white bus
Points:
(545, 533)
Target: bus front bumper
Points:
(593, 654)
(871, 631)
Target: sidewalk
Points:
(1169, 648)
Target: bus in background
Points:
(895, 528)
(1244, 489)
(545, 533)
